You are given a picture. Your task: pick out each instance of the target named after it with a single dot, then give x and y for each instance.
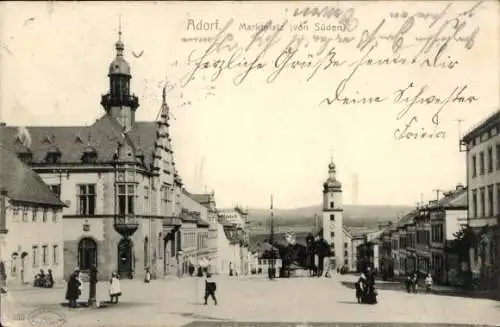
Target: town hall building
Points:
(117, 177)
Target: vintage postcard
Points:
(250, 163)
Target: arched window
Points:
(87, 253)
(146, 251)
(331, 204)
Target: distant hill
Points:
(367, 216)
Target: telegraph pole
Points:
(272, 269)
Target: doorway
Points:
(87, 253)
(22, 269)
(126, 258)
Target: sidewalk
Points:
(29, 287)
(442, 289)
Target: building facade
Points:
(482, 146)
(235, 225)
(127, 209)
(31, 224)
(447, 216)
(333, 228)
(348, 250)
(422, 237)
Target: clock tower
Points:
(332, 215)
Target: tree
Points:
(465, 239)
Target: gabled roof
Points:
(104, 135)
(407, 219)
(456, 199)
(23, 184)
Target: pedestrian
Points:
(428, 283)
(147, 276)
(230, 269)
(414, 283)
(73, 290)
(210, 288)
(408, 284)
(114, 288)
(49, 279)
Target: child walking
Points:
(147, 276)
(210, 288)
(114, 288)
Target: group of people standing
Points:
(43, 279)
(365, 287)
(411, 283)
(74, 287)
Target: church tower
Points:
(332, 215)
(118, 102)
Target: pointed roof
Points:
(119, 66)
(23, 184)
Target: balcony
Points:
(172, 221)
(108, 101)
(126, 225)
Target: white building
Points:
(349, 252)
(234, 222)
(482, 145)
(31, 225)
(333, 229)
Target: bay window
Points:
(126, 198)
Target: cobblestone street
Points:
(177, 302)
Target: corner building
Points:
(118, 180)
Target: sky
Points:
(247, 139)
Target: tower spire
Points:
(164, 110)
(119, 44)
(120, 28)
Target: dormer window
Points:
(140, 156)
(89, 155)
(53, 155)
(25, 156)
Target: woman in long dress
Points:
(366, 284)
(73, 290)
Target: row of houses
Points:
(108, 195)
(422, 241)
(456, 237)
